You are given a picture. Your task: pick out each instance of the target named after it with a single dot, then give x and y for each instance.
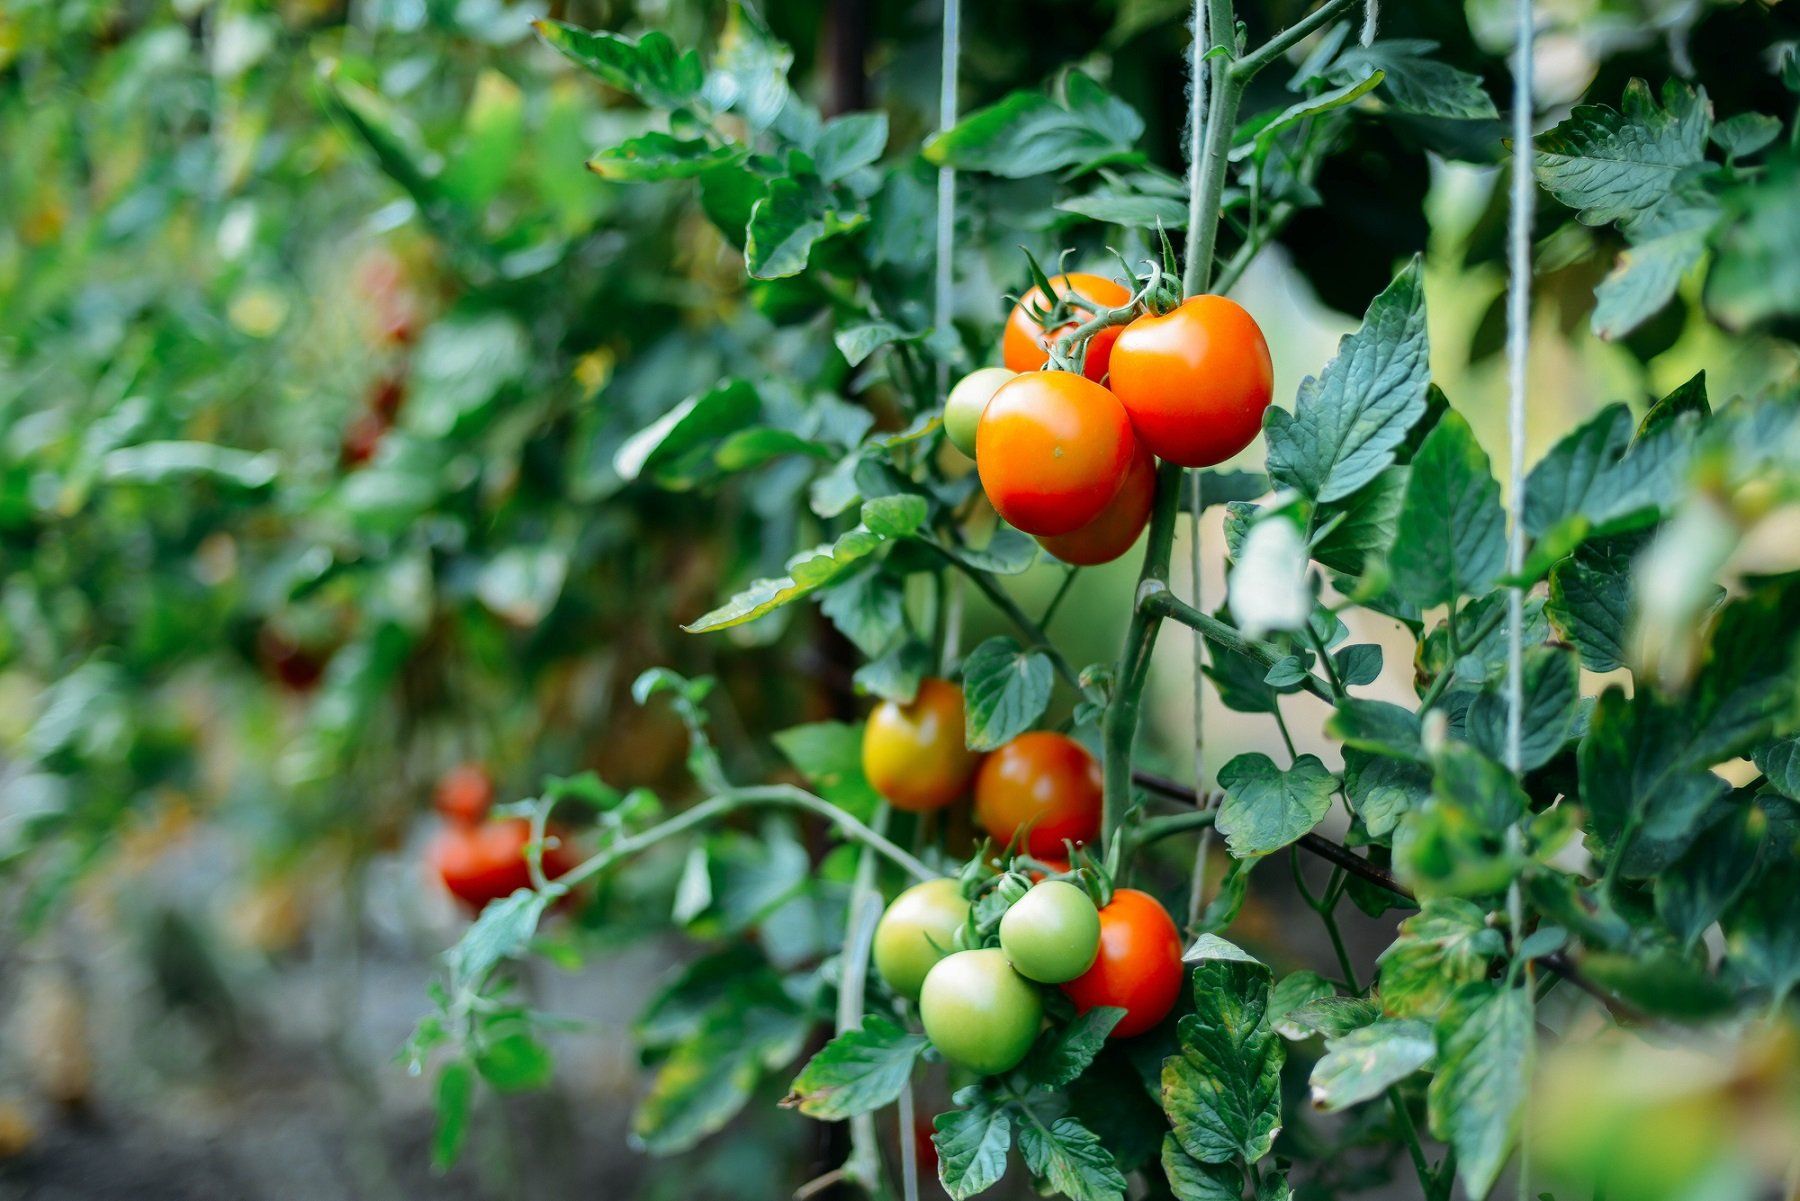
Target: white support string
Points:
(1197, 86)
(1518, 340)
(1371, 19)
(944, 289)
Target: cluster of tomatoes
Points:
(1041, 795)
(482, 858)
(1069, 456)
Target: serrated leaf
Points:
(784, 223)
(1222, 1089)
(1295, 991)
(1445, 945)
(1745, 134)
(1266, 808)
(649, 67)
(1561, 484)
(971, 1145)
(1335, 1017)
(1191, 1180)
(1027, 133)
(1348, 423)
(1005, 689)
(808, 571)
(1382, 790)
(1072, 1159)
(857, 1071)
(1451, 531)
(1590, 600)
(1364, 1063)
(1414, 82)
(1485, 1052)
(1063, 1054)
(655, 155)
(1666, 243)
(1610, 165)
(1369, 521)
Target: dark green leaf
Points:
(1005, 689)
(1762, 934)
(1377, 727)
(1612, 165)
(452, 1099)
(1550, 693)
(1363, 1063)
(1590, 599)
(971, 1144)
(784, 224)
(1071, 1158)
(808, 571)
(1485, 1051)
(1029, 134)
(649, 68)
(1358, 664)
(1348, 423)
(703, 418)
(1292, 992)
(1363, 539)
(655, 155)
(1561, 483)
(1382, 790)
(1745, 134)
(1415, 83)
(1063, 1054)
(1191, 1180)
(1451, 532)
(1222, 1090)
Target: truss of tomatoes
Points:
(980, 986)
(1069, 456)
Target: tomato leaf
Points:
(1266, 808)
(1222, 1089)
(1551, 694)
(857, 1071)
(1446, 944)
(1614, 164)
(1484, 1049)
(454, 1095)
(1348, 424)
(1415, 83)
(656, 155)
(1063, 1054)
(1450, 539)
(1362, 1063)
(1072, 1159)
(972, 1143)
(1006, 690)
(1191, 1180)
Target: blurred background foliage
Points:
(319, 346)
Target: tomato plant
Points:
(1039, 791)
(1053, 449)
(913, 753)
(916, 931)
(1195, 380)
(1044, 315)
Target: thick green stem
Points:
(1163, 603)
(1245, 68)
(1428, 1181)
(1119, 734)
(714, 808)
(1221, 121)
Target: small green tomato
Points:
(979, 1013)
(917, 930)
(1052, 933)
(962, 409)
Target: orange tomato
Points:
(914, 754)
(1195, 380)
(1052, 449)
(481, 862)
(1026, 347)
(1114, 532)
(1138, 968)
(464, 794)
(1041, 788)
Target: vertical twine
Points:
(1518, 338)
(1197, 81)
(943, 291)
(1371, 19)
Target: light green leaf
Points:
(649, 67)
(848, 143)
(166, 462)
(1363, 1063)
(1415, 83)
(857, 1071)
(709, 415)
(656, 155)
(1447, 944)
(1266, 808)
(808, 571)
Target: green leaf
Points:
(808, 571)
(698, 1088)
(857, 1071)
(1659, 982)
(1612, 165)
(1005, 690)
(1745, 134)
(784, 224)
(1563, 481)
(1590, 599)
(1697, 889)
(1072, 1159)
(1266, 808)
(849, 143)
(1222, 1089)
(1191, 1180)
(1550, 696)
(1365, 1062)
(895, 675)
(1063, 1054)
(1485, 1052)
(1755, 273)
(1378, 727)
(1255, 137)
(654, 155)
(452, 1099)
(699, 419)
(170, 462)
(1117, 204)
(1443, 946)
(1335, 1017)
(1415, 83)
(1451, 532)
(515, 1062)
(971, 1144)
(1780, 762)
(1029, 134)
(858, 342)
(1358, 664)
(649, 68)
(1008, 552)
(1292, 992)
(503, 931)
(1666, 244)
(895, 516)
(1762, 934)
(868, 609)
(1370, 519)
(1348, 424)
(1690, 397)
(829, 755)
(1383, 790)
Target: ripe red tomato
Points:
(485, 861)
(464, 794)
(1195, 380)
(1116, 530)
(1139, 965)
(1045, 784)
(1026, 347)
(914, 754)
(1052, 449)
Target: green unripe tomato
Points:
(917, 930)
(962, 408)
(979, 1013)
(1052, 933)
